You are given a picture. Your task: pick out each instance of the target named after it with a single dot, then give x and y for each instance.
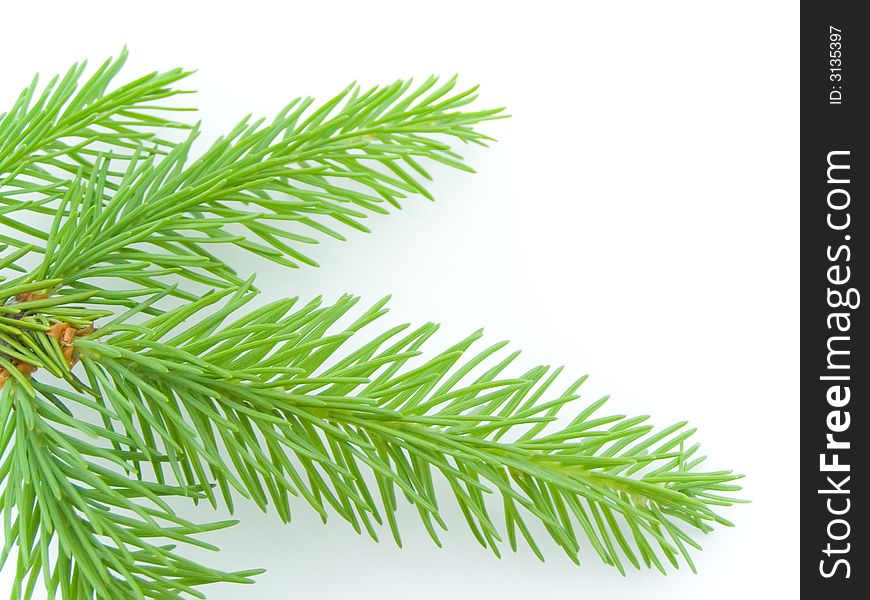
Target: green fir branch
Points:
(50, 135)
(123, 385)
(85, 528)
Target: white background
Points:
(638, 221)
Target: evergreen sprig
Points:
(149, 387)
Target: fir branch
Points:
(306, 170)
(49, 136)
(257, 388)
(103, 521)
(114, 397)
